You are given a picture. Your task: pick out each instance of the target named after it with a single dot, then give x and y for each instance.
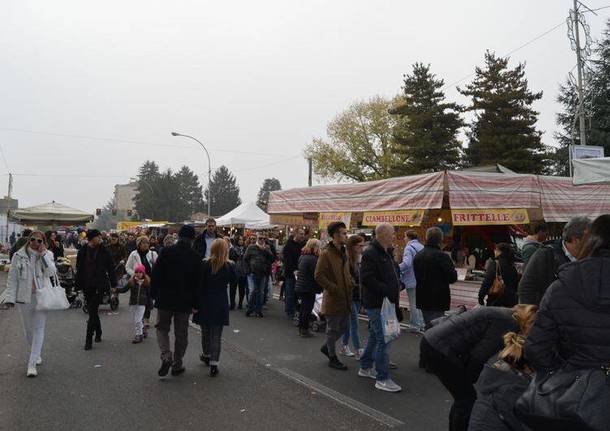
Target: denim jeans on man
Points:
(256, 292)
(376, 348)
(353, 328)
(289, 295)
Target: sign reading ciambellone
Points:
(473, 217)
(395, 218)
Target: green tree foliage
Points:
(597, 107)
(503, 129)
(360, 143)
(269, 185)
(224, 192)
(167, 195)
(427, 129)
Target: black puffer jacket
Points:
(573, 323)
(540, 272)
(306, 282)
(378, 276)
(469, 339)
(434, 272)
(509, 275)
(498, 388)
(291, 254)
(96, 284)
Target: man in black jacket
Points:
(544, 264)
(291, 253)
(203, 242)
(257, 263)
(434, 272)
(174, 286)
(94, 270)
(379, 280)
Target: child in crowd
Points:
(139, 285)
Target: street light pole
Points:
(209, 169)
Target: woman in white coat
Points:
(142, 255)
(32, 267)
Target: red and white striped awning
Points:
(414, 192)
(561, 200)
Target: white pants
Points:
(33, 323)
(138, 315)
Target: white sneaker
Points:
(346, 351)
(370, 373)
(32, 371)
(388, 386)
(39, 361)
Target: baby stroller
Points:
(67, 280)
(109, 298)
(318, 323)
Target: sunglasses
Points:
(39, 241)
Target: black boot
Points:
(205, 360)
(335, 363)
(165, 366)
(88, 343)
(213, 370)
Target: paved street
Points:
(270, 379)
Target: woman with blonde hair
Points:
(217, 274)
(456, 350)
(31, 269)
(503, 379)
(306, 287)
(143, 255)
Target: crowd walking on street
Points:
(553, 320)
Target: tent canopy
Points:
(246, 214)
(591, 171)
(51, 213)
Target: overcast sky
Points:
(254, 80)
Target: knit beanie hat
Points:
(140, 268)
(92, 233)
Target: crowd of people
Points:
(555, 315)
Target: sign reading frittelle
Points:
(395, 218)
(468, 217)
(327, 218)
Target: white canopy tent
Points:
(51, 213)
(247, 215)
(591, 171)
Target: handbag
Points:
(576, 397)
(497, 288)
(51, 298)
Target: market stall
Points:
(51, 214)
(591, 171)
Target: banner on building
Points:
(292, 220)
(395, 218)
(327, 218)
(473, 217)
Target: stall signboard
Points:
(291, 220)
(126, 225)
(482, 217)
(395, 218)
(327, 218)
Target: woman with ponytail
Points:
(504, 379)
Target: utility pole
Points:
(579, 67)
(310, 176)
(8, 203)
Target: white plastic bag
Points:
(51, 298)
(391, 326)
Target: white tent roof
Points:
(246, 214)
(591, 171)
(51, 213)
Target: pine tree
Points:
(426, 133)
(190, 190)
(568, 98)
(146, 196)
(504, 126)
(223, 191)
(269, 185)
(600, 100)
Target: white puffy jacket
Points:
(134, 260)
(25, 270)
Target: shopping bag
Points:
(51, 298)
(391, 326)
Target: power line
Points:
(125, 141)
(268, 164)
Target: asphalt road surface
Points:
(270, 379)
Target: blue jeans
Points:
(256, 289)
(376, 348)
(353, 327)
(417, 318)
(289, 295)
